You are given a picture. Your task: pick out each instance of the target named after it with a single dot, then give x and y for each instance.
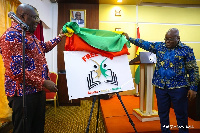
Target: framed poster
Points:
(117, 29)
(78, 16)
(91, 74)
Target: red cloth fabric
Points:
(75, 43)
(53, 77)
(39, 32)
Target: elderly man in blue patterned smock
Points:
(175, 77)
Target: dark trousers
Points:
(35, 104)
(178, 97)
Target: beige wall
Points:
(153, 21)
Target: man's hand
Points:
(125, 34)
(61, 34)
(191, 94)
(50, 85)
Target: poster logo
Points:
(101, 70)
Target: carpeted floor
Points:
(73, 119)
(68, 119)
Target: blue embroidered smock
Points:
(175, 67)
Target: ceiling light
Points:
(119, 0)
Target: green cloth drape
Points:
(101, 39)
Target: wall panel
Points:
(156, 32)
(92, 21)
(157, 14)
(107, 13)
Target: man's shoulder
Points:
(185, 47)
(159, 45)
(10, 34)
(73, 20)
(4, 34)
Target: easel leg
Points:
(93, 102)
(130, 120)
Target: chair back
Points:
(53, 77)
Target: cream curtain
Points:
(5, 22)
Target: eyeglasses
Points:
(34, 17)
(169, 39)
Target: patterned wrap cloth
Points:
(36, 69)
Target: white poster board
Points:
(91, 74)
